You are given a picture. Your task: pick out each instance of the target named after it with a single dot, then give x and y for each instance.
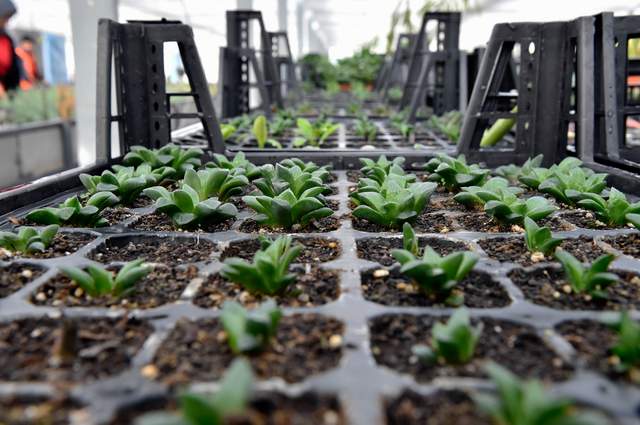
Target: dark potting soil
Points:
(517, 347)
(584, 219)
(34, 410)
(305, 344)
(312, 287)
(628, 244)
(238, 202)
(593, 342)
(479, 289)
(440, 408)
(331, 178)
(64, 243)
(514, 249)
(158, 222)
(163, 285)
(379, 249)
(263, 409)
(167, 250)
(445, 202)
(103, 347)
(486, 224)
(315, 250)
(354, 175)
(333, 204)
(326, 224)
(116, 215)
(433, 223)
(424, 223)
(334, 191)
(142, 202)
(14, 277)
(547, 286)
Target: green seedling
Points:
(614, 211)
(97, 281)
(513, 210)
(268, 273)
(435, 275)
(238, 165)
(127, 182)
(627, 345)
(313, 134)
(197, 409)
(187, 209)
(491, 190)
(519, 402)
(28, 239)
(215, 182)
(72, 212)
(176, 157)
(451, 343)
(539, 239)
(286, 209)
(366, 129)
(455, 173)
(261, 133)
(592, 280)
(392, 203)
(250, 331)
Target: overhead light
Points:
(315, 25)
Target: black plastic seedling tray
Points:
(362, 382)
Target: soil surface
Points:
(584, 219)
(264, 409)
(333, 204)
(592, 341)
(424, 223)
(326, 224)
(486, 224)
(547, 286)
(354, 175)
(514, 249)
(445, 202)
(517, 347)
(433, 223)
(312, 287)
(30, 348)
(167, 250)
(305, 344)
(480, 291)
(15, 276)
(64, 243)
(116, 215)
(627, 244)
(440, 408)
(163, 285)
(142, 201)
(40, 411)
(316, 250)
(379, 249)
(158, 222)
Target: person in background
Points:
(31, 74)
(9, 61)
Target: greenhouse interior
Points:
(292, 212)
